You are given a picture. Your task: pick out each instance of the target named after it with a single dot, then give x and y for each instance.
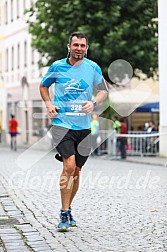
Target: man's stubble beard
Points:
(78, 58)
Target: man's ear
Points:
(68, 47)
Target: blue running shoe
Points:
(64, 221)
(72, 222)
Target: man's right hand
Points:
(52, 111)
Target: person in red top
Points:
(123, 140)
(13, 124)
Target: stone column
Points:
(162, 19)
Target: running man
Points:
(74, 78)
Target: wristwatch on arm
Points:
(94, 103)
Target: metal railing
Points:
(138, 143)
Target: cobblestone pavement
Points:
(120, 206)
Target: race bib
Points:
(74, 108)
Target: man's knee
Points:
(69, 165)
(69, 170)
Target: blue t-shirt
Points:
(73, 86)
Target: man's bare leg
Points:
(11, 143)
(76, 178)
(67, 181)
(14, 143)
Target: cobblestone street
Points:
(120, 206)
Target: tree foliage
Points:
(124, 29)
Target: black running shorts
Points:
(72, 142)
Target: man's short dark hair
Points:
(78, 35)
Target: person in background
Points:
(151, 127)
(117, 126)
(157, 127)
(94, 133)
(146, 125)
(123, 140)
(13, 125)
(150, 140)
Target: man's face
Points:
(78, 48)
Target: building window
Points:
(12, 58)
(11, 10)
(25, 53)
(9, 107)
(16, 110)
(37, 119)
(24, 5)
(7, 62)
(0, 16)
(32, 55)
(6, 12)
(18, 56)
(17, 8)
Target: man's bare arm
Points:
(51, 109)
(101, 96)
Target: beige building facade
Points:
(20, 74)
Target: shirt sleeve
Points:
(99, 81)
(49, 77)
